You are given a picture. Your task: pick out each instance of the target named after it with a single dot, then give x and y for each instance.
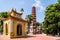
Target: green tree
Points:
(2, 15)
(30, 18)
(38, 24)
(52, 19)
(58, 1)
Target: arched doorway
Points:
(19, 29)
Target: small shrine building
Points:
(14, 25)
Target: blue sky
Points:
(7, 5)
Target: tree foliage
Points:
(30, 18)
(38, 24)
(52, 19)
(3, 14)
(58, 1)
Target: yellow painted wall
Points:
(14, 32)
(4, 27)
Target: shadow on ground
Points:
(28, 36)
(57, 39)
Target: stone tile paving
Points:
(32, 37)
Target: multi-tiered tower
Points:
(34, 19)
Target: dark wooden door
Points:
(19, 29)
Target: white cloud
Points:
(38, 4)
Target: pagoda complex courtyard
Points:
(36, 20)
(16, 28)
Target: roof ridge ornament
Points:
(14, 9)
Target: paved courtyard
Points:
(32, 37)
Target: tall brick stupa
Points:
(34, 19)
